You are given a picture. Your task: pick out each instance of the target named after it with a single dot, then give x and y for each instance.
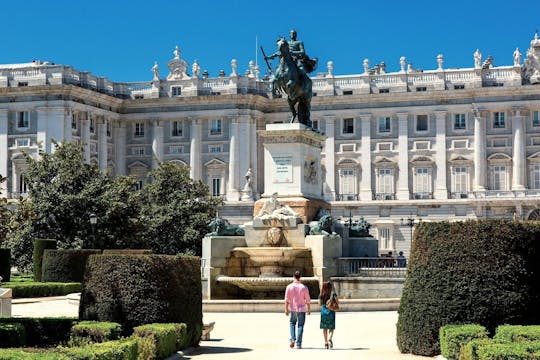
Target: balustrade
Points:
(384, 267)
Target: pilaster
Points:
(195, 150)
(157, 143)
(102, 144)
(519, 153)
(441, 191)
(366, 192)
(4, 159)
(330, 156)
(403, 162)
(85, 136)
(120, 148)
(50, 126)
(479, 182)
(233, 191)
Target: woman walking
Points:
(328, 314)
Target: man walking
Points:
(297, 302)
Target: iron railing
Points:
(372, 267)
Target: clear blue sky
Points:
(121, 39)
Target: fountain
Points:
(260, 263)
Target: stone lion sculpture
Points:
(222, 227)
(361, 229)
(323, 226)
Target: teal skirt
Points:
(328, 318)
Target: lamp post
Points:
(349, 223)
(410, 222)
(93, 222)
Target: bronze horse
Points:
(294, 82)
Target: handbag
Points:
(332, 304)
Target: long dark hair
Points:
(326, 291)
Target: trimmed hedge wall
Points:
(111, 350)
(135, 290)
(39, 247)
(127, 251)
(41, 332)
(156, 340)
(12, 335)
(517, 333)
(5, 264)
(453, 337)
(94, 332)
(483, 272)
(31, 354)
(39, 289)
(65, 265)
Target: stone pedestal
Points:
(5, 302)
(325, 251)
(306, 208)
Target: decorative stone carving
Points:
(177, 67)
(155, 71)
(477, 59)
(402, 63)
(531, 66)
(272, 210)
(366, 66)
(234, 67)
(440, 60)
(310, 171)
(323, 226)
(222, 227)
(330, 67)
(195, 69)
(517, 57)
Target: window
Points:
(460, 144)
(176, 149)
(348, 126)
(139, 130)
(137, 151)
(384, 91)
(422, 145)
(384, 146)
(23, 119)
(348, 184)
(385, 181)
(92, 126)
(459, 87)
(176, 91)
(347, 92)
(498, 120)
(22, 185)
(422, 182)
(138, 96)
(385, 239)
(460, 122)
(384, 124)
(535, 177)
(23, 83)
(216, 186)
(215, 148)
(499, 177)
(536, 118)
(348, 147)
(108, 129)
(500, 142)
(73, 122)
(535, 141)
(460, 183)
(315, 124)
(421, 123)
(421, 88)
(215, 127)
(139, 185)
(25, 142)
(176, 128)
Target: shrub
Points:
(517, 333)
(125, 349)
(508, 351)
(37, 289)
(182, 340)
(42, 332)
(469, 350)
(66, 265)
(127, 251)
(94, 331)
(453, 337)
(5, 264)
(12, 335)
(39, 247)
(30, 354)
(482, 272)
(163, 339)
(135, 290)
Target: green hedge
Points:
(5, 264)
(156, 340)
(125, 349)
(135, 290)
(469, 351)
(39, 289)
(127, 251)
(508, 351)
(39, 247)
(66, 265)
(12, 335)
(31, 354)
(94, 332)
(453, 337)
(517, 333)
(483, 272)
(42, 332)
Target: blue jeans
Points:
(299, 317)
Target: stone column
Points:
(50, 125)
(403, 162)
(233, 193)
(69, 114)
(102, 144)
(254, 157)
(329, 189)
(366, 192)
(519, 154)
(441, 191)
(157, 143)
(195, 150)
(4, 161)
(120, 148)
(85, 136)
(479, 183)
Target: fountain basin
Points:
(264, 284)
(272, 261)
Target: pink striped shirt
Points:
(297, 296)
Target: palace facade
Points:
(444, 144)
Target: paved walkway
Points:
(359, 335)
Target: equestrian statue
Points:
(291, 76)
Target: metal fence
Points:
(385, 267)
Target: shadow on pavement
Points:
(218, 350)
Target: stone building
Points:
(444, 144)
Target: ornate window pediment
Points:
(422, 161)
(460, 159)
(499, 158)
(215, 163)
(384, 162)
(176, 161)
(348, 162)
(137, 164)
(534, 158)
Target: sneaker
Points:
(291, 345)
(298, 346)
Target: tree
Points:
(175, 210)
(64, 191)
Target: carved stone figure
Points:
(323, 226)
(531, 66)
(517, 57)
(195, 69)
(155, 70)
(247, 186)
(222, 227)
(273, 209)
(477, 59)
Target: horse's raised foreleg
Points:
(291, 107)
